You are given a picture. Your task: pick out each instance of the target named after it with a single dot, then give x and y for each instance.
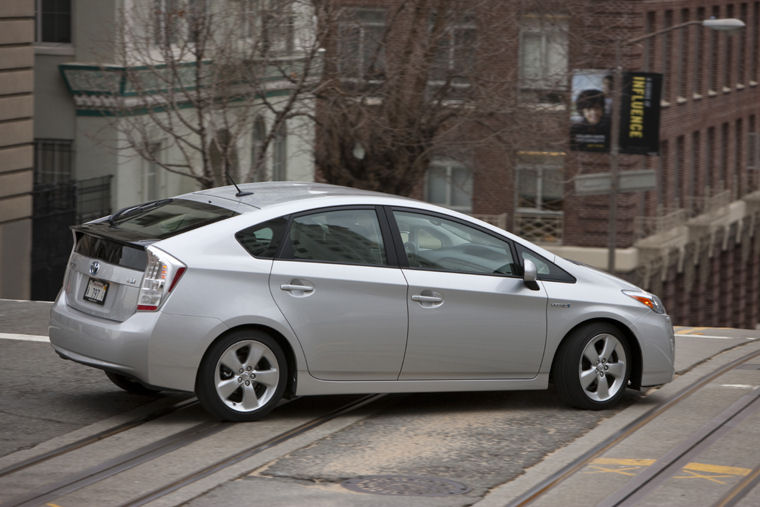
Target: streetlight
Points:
(723, 24)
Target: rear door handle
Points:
(289, 287)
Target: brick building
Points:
(692, 239)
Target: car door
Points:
(344, 301)
(471, 316)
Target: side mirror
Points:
(530, 275)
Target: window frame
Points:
(38, 24)
(285, 252)
(538, 24)
(449, 166)
(357, 70)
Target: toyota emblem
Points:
(94, 267)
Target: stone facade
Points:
(16, 153)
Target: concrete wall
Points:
(16, 154)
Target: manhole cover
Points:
(409, 485)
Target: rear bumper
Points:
(101, 343)
(157, 348)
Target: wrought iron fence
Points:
(540, 226)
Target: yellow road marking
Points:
(718, 469)
(626, 462)
(630, 467)
(692, 330)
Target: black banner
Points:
(640, 113)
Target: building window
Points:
(360, 44)
(53, 161)
(540, 194)
(280, 155)
(166, 23)
(455, 51)
(543, 52)
(681, 61)
(151, 173)
(540, 184)
(698, 52)
(449, 183)
(270, 24)
(53, 21)
(667, 56)
(257, 148)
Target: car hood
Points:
(598, 276)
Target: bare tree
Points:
(197, 74)
(408, 81)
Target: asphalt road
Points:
(482, 441)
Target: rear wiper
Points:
(137, 208)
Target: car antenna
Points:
(240, 193)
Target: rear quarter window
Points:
(263, 240)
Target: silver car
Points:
(289, 289)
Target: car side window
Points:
(431, 242)
(547, 271)
(263, 240)
(349, 236)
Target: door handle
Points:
(427, 299)
(289, 287)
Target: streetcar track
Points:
(251, 451)
(154, 450)
(117, 465)
(646, 482)
(103, 434)
(551, 482)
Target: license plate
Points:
(96, 291)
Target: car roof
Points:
(266, 194)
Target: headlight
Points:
(649, 300)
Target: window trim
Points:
(404, 261)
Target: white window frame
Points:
(449, 166)
(450, 33)
(355, 20)
(545, 27)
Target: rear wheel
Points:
(130, 385)
(242, 376)
(592, 367)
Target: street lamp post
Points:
(724, 24)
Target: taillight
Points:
(162, 273)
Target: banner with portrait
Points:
(590, 114)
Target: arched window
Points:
(223, 156)
(280, 155)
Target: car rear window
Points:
(156, 220)
(169, 217)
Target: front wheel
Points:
(592, 367)
(242, 376)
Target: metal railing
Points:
(667, 219)
(497, 220)
(540, 226)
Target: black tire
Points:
(130, 385)
(585, 374)
(233, 385)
